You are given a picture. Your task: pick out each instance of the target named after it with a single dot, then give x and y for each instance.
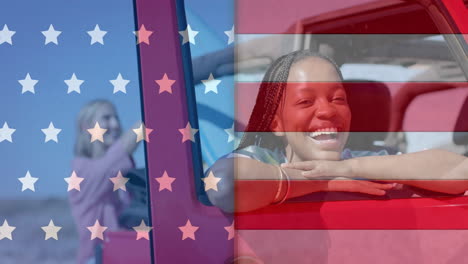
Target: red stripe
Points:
(350, 17)
(436, 112)
(416, 213)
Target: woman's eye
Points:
(339, 99)
(304, 102)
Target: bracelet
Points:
(288, 188)
(277, 196)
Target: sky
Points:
(95, 64)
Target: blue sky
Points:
(95, 64)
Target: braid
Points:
(273, 98)
(269, 97)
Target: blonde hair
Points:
(86, 116)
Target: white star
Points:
(6, 230)
(142, 133)
(28, 84)
(73, 182)
(165, 182)
(119, 84)
(188, 133)
(51, 35)
(97, 230)
(51, 230)
(230, 230)
(97, 35)
(231, 133)
(119, 182)
(211, 182)
(97, 133)
(51, 133)
(211, 84)
(230, 34)
(6, 132)
(188, 35)
(28, 182)
(6, 34)
(74, 84)
(143, 35)
(188, 230)
(142, 230)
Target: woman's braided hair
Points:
(270, 95)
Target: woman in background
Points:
(97, 162)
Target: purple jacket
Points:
(96, 199)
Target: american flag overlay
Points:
(56, 58)
(125, 127)
(357, 229)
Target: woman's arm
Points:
(247, 184)
(460, 172)
(129, 138)
(435, 170)
(426, 169)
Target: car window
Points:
(211, 45)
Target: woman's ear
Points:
(277, 126)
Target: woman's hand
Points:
(323, 168)
(341, 184)
(341, 171)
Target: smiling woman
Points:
(301, 116)
(102, 153)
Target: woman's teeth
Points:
(324, 134)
